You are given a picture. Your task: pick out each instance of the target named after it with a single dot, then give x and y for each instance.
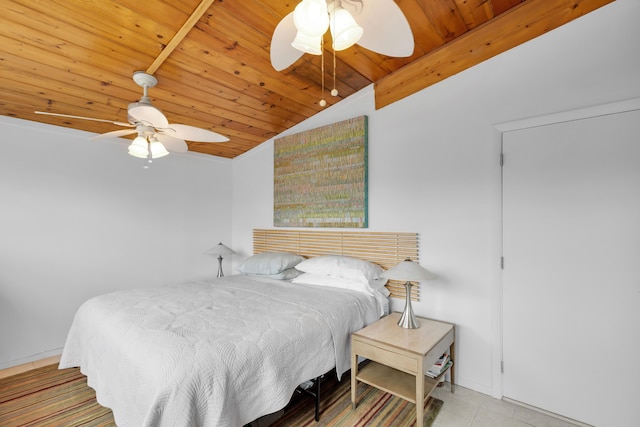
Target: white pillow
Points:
(288, 274)
(378, 285)
(269, 263)
(333, 282)
(341, 266)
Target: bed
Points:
(225, 351)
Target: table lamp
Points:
(408, 271)
(219, 250)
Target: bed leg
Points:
(313, 391)
(318, 398)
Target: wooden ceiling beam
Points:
(180, 35)
(521, 23)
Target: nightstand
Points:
(400, 357)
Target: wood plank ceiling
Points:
(77, 57)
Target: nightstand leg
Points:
(354, 382)
(420, 395)
(452, 370)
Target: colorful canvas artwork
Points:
(320, 176)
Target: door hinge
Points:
(501, 159)
(502, 262)
(502, 366)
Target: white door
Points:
(571, 278)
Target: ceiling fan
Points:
(377, 25)
(156, 136)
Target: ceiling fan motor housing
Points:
(144, 80)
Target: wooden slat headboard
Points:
(383, 248)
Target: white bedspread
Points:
(218, 353)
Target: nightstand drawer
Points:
(385, 356)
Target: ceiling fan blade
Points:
(114, 134)
(192, 133)
(147, 114)
(386, 29)
(84, 118)
(172, 144)
(282, 53)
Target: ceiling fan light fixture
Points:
(139, 147)
(308, 44)
(345, 31)
(311, 17)
(157, 149)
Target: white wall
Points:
(80, 218)
(433, 165)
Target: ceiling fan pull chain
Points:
(334, 91)
(322, 102)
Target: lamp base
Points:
(220, 273)
(408, 319)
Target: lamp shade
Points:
(157, 149)
(139, 147)
(345, 32)
(308, 44)
(311, 18)
(219, 250)
(408, 271)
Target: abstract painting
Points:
(320, 176)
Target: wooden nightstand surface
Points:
(400, 357)
(419, 341)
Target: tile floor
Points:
(468, 408)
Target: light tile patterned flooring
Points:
(468, 408)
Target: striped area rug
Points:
(375, 408)
(51, 397)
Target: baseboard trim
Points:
(29, 366)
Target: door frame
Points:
(497, 241)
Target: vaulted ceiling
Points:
(212, 59)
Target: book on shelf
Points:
(432, 374)
(441, 365)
